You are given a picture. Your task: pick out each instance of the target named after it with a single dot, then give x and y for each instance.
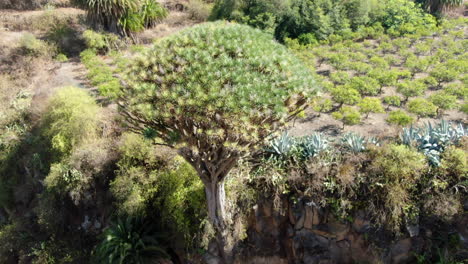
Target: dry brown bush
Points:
(31, 4)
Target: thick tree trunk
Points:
(215, 198)
(212, 166)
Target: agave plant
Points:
(130, 240)
(313, 145)
(282, 146)
(409, 135)
(432, 140)
(354, 142)
(373, 141)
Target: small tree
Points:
(422, 107)
(340, 77)
(384, 77)
(348, 115)
(442, 74)
(214, 92)
(411, 88)
(365, 85)
(430, 82)
(457, 89)
(464, 108)
(322, 105)
(371, 105)
(345, 95)
(123, 16)
(399, 117)
(443, 101)
(379, 62)
(392, 100)
(416, 65)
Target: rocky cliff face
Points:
(302, 232)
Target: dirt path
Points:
(71, 73)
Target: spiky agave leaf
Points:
(130, 240)
(313, 145)
(433, 139)
(354, 142)
(281, 146)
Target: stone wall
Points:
(302, 232)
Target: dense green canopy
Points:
(217, 83)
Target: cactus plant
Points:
(432, 140)
(281, 146)
(313, 145)
(354, 142)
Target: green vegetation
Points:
(214, 73)
(71, 119)
(131, 240)
(370, 105)
(326, 20)
(443, 101)
(32, 46)
(100, 74)
(397, 70)
(398, 168)
(180, 151)
(124, 17)
(399, 117)
(422, 107)
(392, 100)
(348, 115)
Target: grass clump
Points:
(72, 118)
(100, 74)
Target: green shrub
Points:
(32, 46)
(322, 105)
(464, 108)
(61, 57)
(307, 39)
(384, 77)
(340, 77)
(149, 178)
(101, 42)
(94, 40)
(455, 163)
(397, 170)
(365, 85)
(379, 62)
(411, 88)
(422, 107)
(393, 100)
(416, 65)
(100, 74)
(348, 115)
(442, 73)
(443, 101)
(345, 95)
(71, 118)
(457, 89)
(399, 117)
(130, 240)
(370, 105)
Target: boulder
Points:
(312, 215)
(401, 251)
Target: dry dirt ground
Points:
(48, 75)
(52, 76)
